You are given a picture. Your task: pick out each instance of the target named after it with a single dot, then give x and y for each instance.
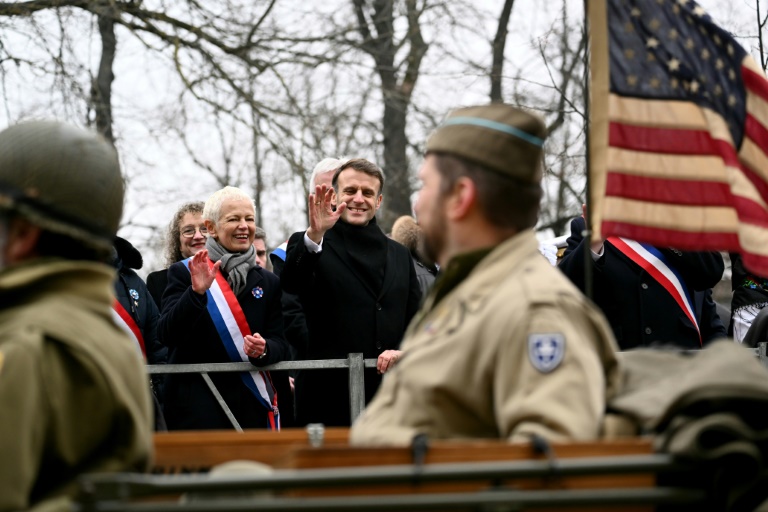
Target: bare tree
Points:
(497, 51)
(101, 88)
(376, 26)
(762, 20)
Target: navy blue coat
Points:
(187, 328)
(641, 312)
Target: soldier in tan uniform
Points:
(504, 346)
(73, 391)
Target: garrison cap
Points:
(62, 178)
(500, 137)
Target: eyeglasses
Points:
(190, 232)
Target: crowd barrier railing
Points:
(355, 363)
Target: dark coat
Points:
(345, 316)
(187, 328)
(425, 276)
(156, 283)
(641, 312)
(131, 292)
(142, 309)
(296, 335)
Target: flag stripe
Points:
(658, 113)
(742, 185)
(754, 239)
(693, 167)
(752, 260)
(757, 107)
(754, 161)
(680, 142)
(660, 140)
(674, 238)
(664, 190)
(754, 82)
(751, 211)
(668, 216)
(756, 131)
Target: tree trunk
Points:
(101, 89)
(379, 42)
(398, 188)
(499, 43)
(258, 185)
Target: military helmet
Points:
(62, 178)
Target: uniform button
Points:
(648, 330)
(378, 307)
(644, 286)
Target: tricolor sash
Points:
(232, 327)
(280, 250)
(124, 319)
(656, 265)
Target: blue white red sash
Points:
(232, 326)
(280, 250)
(124, 319)
(655, 264)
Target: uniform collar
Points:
(518, 247)
(84, 278)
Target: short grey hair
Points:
(260, 235)
(323, 166)
(212, 209)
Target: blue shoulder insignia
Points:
(546, 351)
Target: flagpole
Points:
(587, 233)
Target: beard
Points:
(432, 243)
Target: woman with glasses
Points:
(219, 307)
(185, 237)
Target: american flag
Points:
(679, 144)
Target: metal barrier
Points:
(115, 492)
(354, 362)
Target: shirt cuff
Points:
(311, 245)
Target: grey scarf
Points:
(234, 264)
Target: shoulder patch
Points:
(546, 351)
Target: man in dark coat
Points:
(358, 289)
(640, 310)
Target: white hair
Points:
(212, 209)
(323, 166)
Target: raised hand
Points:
(202, 275)
(322, 216)
(596, 246)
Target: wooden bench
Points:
(198, 451)
(359, 478)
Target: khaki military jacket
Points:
(73, 390)
(513, 350)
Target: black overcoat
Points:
(156, 283)
(187, 328)
(345, 316)
(641, 312)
